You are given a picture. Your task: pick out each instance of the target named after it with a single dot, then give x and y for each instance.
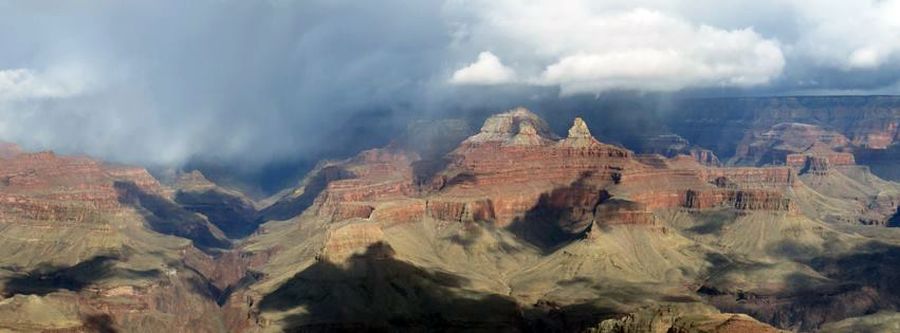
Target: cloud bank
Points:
(780, 46)
(166, 82)
(586, 51)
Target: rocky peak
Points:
(518, 126)
(193, 180)
(527, 136)
(579, 135)
(579, 129)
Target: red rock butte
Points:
(514, 214)
(43, 187)
(515, 165)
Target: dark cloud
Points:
(163, 81)
(268, 84)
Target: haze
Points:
(253, 83)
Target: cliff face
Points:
(735, 129)
(819, 163)
(673, 145)
(867, 121)
(516, 147)
(90, 246)
(745, 130)
(516, 175)
(512, 228)
(883, 162)
(775, 145)
(43, 187)
(511, 197)
(229, 210)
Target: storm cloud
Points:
(255, 82)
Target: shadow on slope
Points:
(559, 216)
(874, 265)
(425, 171)
(47, 278)
(432, 140)
(608, 290)
(166, 217)
(101, 323)
(231, 214)
(857, 283)
(376, 292)
(712, 222)
(294, 204)
(883, 162)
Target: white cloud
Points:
(583, 48)
(850, 35)
(866, 57)
(186, 100)
(25, 84)
(669, 55)
(487, 70)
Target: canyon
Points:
(779, 226)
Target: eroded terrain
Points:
(510, 228)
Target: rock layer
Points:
(514, 229)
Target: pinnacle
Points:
(579, 129)
(579, 135)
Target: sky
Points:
(253, 82)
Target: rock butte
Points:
(515, 165)
(786, 140)
(562, 195)
(514, 228)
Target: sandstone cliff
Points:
(512, 229)
(517, 211)
(95, 247)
